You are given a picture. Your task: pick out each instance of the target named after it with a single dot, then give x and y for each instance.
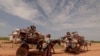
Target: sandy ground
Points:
(7, 50)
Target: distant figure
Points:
(14, 36)
(78, 39)
(68, 40)
(47, 47)
(68, 35)
(75, 35)
(11, 38)
(86, 44)
(23, 36)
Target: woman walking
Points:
(47, 48)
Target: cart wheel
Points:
(22, 52)
(76, 50)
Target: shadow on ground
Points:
(82, 51)
(35, 53)
(39, 53)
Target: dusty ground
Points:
(7, 50)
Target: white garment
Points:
(15, 33)
(47, 40)
(66, 40)
(17, 29)
(11, 38)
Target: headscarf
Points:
(48, 35)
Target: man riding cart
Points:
(71, 43)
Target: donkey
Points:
(54, 42)
(86, 44)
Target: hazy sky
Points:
(52, 16)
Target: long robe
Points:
(47, 50)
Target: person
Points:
(23, 36)
(75, 35)
(33, 29)
(11, 37)
(14, 36)
(47, 47)
(39, 43)
(68, 35)
(68, 41)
